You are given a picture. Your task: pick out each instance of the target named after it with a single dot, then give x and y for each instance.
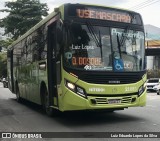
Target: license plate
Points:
(114, 101)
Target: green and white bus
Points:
(81, 57)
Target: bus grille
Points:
(124, 100)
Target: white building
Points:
(152, 47)
(153, 54)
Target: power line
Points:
(144, 4)
(141, 4)
(148, 5)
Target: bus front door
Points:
(53, 66)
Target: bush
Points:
(153, 73)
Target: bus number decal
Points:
(129, 89)
(96, 89)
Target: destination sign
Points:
(81, 61)
(103, 13)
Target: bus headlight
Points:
(141, 89)
(70, 85)
(76, 89)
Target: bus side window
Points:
(28, 49)
(39, 44)
(23, 53)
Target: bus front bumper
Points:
(71, 102)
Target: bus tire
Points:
(48, 110)
(45, 103)
(18, 97)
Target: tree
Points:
(3, 64)
(6, 43)
(23, 14)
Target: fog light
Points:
(93, 101)
(133, 99)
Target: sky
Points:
(149, 9)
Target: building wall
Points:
(153, 62)
(150, 60)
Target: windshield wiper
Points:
(123, 38)
(119, 46)
(96, 39)
(100, 44)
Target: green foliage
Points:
(23, 14)
(3, 64)
(3, 57)
(153, 73)
(5, 43)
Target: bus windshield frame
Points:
(103, 48)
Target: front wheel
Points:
(158, 91)
(46, 105)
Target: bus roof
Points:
(114, 7)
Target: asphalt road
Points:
(28, 117)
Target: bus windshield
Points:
(100, 48)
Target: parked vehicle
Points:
(5, 82)
(152, 84)
(1, 78)
(157, 89)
